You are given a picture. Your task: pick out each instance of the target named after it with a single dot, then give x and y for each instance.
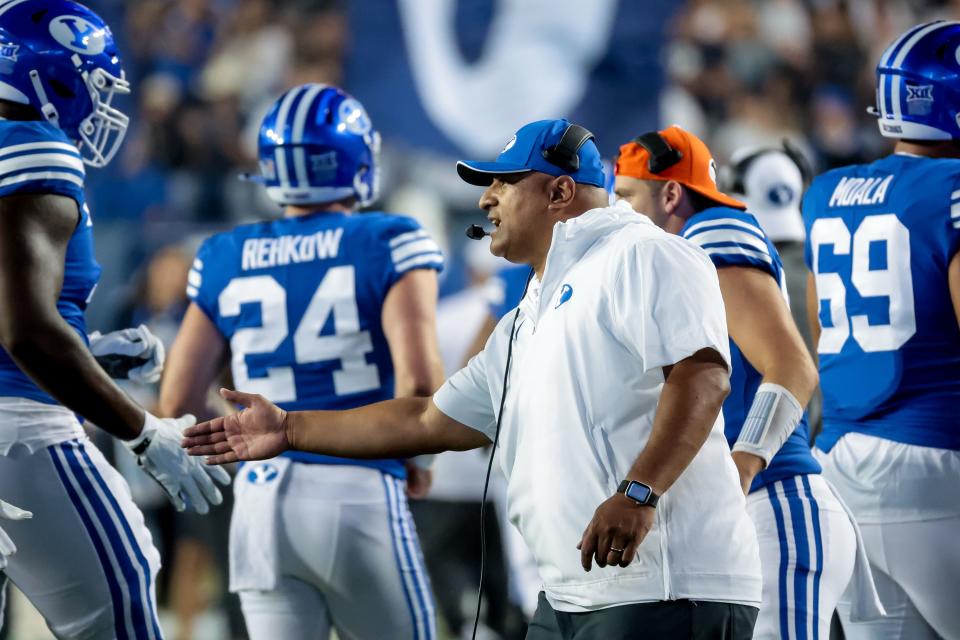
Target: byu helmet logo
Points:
(780, 194)
(262, 473)
(354, 117)
(78, 35)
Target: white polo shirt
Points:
(620, 299)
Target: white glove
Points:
(9, 512)
(185, 479)
(131, 354)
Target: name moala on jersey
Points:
(860, 191)
(262, 253)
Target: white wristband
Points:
(773, 416)
(150, 425)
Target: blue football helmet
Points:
(918, 84)
(317, 145)
(60, 58)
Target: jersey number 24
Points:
(337, 295)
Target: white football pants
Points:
(315, 547)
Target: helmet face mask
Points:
(317, 145)
(65, 65)
(102, 132)
(917, 84)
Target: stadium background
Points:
(442, 79)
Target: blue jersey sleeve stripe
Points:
(198, 264)
(955, 210)
(955, 196)
(707, 237)
(723, 223)
(404, 251)
(6, 157)
(725, 253)
(194, 278)
(731, 244)
(33, 170)
(49, 147)
(409, 236)
(42, 175)
(434, 260)
(41, 160)
(192, 292)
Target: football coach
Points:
(603, 390)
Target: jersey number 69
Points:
(894, 282)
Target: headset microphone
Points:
(476, 232)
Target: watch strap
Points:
(652, 499)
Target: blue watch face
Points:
(638, 492)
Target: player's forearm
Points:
(813, 312)
(55, 358)
(185, 391)
(795, 372)
(419, 381)
(194, 403)
(688, 407)
(389, 429)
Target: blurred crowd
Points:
(747, 72)
(739, 73)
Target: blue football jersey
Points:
(879, 239)
(300, 302)
(37, 158)
(733, 238)
(505, 289)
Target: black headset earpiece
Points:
(662, 155)
(566, 153)
(806, 170)
(734, 179)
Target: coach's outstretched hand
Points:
(257, 432)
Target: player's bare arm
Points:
(409, 320)
(409, 324)
(483, 334)
(953, 277)
(194, 363)
(34, 233)
(399, 428)
(761, 325)
(693, 393)
(813, 309)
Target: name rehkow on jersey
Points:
(263, 253)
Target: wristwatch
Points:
(639, 492)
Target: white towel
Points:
(866, 605)
(254, 525)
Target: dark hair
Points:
(698, 201)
